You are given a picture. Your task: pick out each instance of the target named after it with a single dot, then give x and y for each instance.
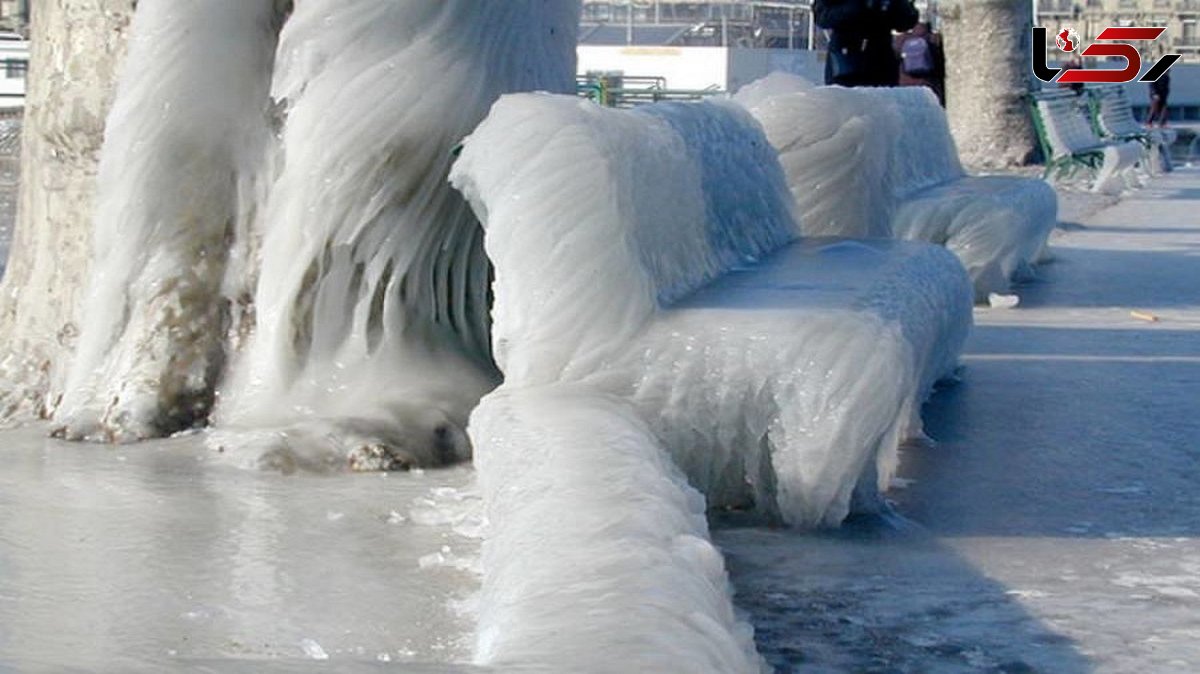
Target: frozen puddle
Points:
(143, 556)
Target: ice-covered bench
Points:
(654, 312)
(1070, 144)
(652, 255)
(1112, 115)
(882, 162)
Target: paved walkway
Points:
(1061, 506)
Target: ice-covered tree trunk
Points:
(77, 46)
(186, 137)
(988, 75)
(372, 336)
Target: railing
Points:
(615, 91)
(1056, 7)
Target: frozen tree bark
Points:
(988, 76)
(77, 46)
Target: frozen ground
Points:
(1059, 515)
(160, 554)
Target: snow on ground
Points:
(1058, 513)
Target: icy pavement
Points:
(1058, 518)
(158, 555)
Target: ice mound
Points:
(778, 381)
(881, 162)
(597, 557)
(273, 207)
(372, 304)
(188, 126)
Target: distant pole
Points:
(629, 22)
(792, 28)
(812, 29)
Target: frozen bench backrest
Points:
(597, 218)
(852, 155)
(1067, 126)
(1116, 112)
(831, 147)
(923, 153)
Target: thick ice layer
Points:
(372, 307)
(788, 384)
(881, 162)
(597, 557)
(828, 144)
(622, 206)
(781, 383)
(997, 226)
(185, 132)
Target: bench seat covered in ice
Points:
(783, 383)
(882, 162)
(652, 303)
(652, 255)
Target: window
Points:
(15, 68)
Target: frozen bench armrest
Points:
(596, 218)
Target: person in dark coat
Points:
(1160, 89)
(860, 39)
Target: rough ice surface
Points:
(829, 146)
(371, 306)
(782, 383)
(597, 556)
(635, 237)
(188, 126)
(881, 162)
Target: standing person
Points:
(1159, 90)
(860, 41)
(922, 61)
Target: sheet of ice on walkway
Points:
(864, 162)
(780, 386)
(372, 309)
(597, 556)
(154, 557)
